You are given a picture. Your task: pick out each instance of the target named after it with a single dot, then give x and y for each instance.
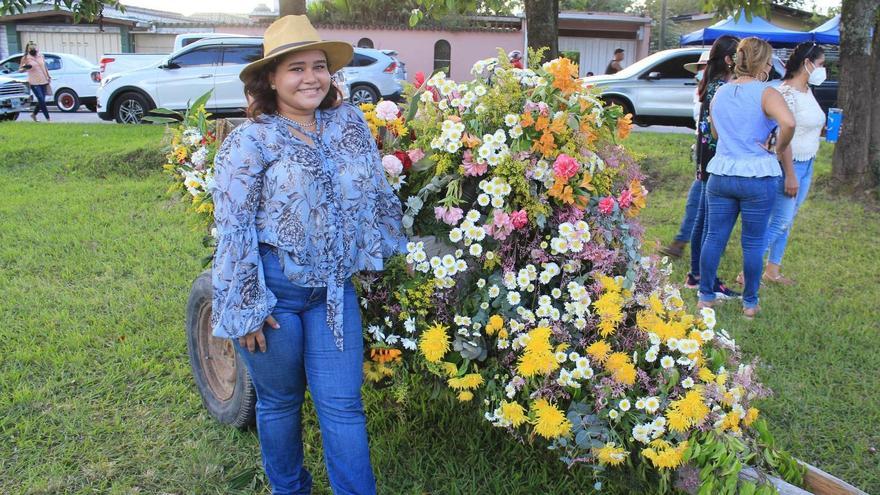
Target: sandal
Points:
(778, 279)
(749, 313)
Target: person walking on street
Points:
(302, 203)
(616, 63)
(38, 78)
(744, 172)
(804, 68)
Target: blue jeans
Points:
(727, 197)
(39, 91)
(784, 211)
(690, 212)
(303, 351)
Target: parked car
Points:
(111, 63)
(209, 64)
(658, 89)
(15, 98)
(373, 74)
(75, 80)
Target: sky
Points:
(244, 6)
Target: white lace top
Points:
(809, 120)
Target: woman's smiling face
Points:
(302, 80)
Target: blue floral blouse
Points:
(326, 207)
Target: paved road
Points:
(86, 117)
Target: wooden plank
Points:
(821, 483)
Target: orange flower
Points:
(564, 74)
(562, 191)
(558, 124)
(470, 141)
(526, 120)
(385, 355)
(587, 131)
(624, 126)
(546, 145)
(543, 123)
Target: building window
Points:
(365, 43)
(442, 56)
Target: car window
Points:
(199, 57)
(360, 60)
(673, 68)
(11, 65)
(239, 55)
(53, 62)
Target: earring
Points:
(273, 87)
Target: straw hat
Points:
(294, 33)
(693, 67)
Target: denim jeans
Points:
(39, 91)
(690, 212)
(303, 351)
(728, 197)
(784, 211)
(701, 228)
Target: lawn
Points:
(96, 394)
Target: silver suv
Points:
(658, 89)
(374, 74)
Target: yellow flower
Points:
(550, 422)
(599, 351)
(731, 422)
(513, 412)
(751, 416)
(691, 410)
(449, 368)
(495, 324)
(610, 454)
(621, 368)
(538, 357)
(706, 375)
(465, 396)
(609, 306)
(375, 372)
(434, 343)
(467, 382)
(663, 455)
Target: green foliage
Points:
(83, 10)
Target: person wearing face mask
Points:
(38, 77)
(301, 203)
(804, 68)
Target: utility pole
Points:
(662, 43)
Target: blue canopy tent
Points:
(828, 33)
(742, 28)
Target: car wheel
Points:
(93, 107)
(131, 108)
(219, 372)
(363, 94)
(67, 100)
(8, 116)
(613, 100)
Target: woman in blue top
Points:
(301, 204)
(744, 172)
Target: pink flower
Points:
(519, 219)
(472, 168)
(448, 215)
(501, 226)
(565, 167)
(416, 154)
(606, 205)
(393, 166)
(625, 199)
(387, 110)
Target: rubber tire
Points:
(240, 410)
(67, 92)
(614, 100)
(133, 98)
(366, 91)
(9, 117)
(93, 107)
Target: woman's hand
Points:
(256, 338)
(791, 186)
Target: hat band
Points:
(289, 45)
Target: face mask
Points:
(32, 52)
(817, 76)
(699, 76)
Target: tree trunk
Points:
(850, 166)
(542, 26)
(291, 7)
(874, 150)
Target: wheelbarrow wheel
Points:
(219, 373)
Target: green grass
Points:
(95, 388)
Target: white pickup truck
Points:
(112, 63)
(14, 98)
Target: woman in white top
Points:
(803, 69)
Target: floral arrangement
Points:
(527, 295)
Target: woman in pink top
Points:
(33, 63)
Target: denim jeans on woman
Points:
(784, 211)
(39, 91)
(690, 212)
(727, 198)
(303, 351)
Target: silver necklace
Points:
(302, 125)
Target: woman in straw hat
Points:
(301, 204)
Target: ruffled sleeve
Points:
(241, 301)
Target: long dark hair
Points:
(807, 50)
(263, 99)
(717, 68)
